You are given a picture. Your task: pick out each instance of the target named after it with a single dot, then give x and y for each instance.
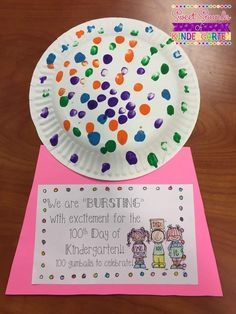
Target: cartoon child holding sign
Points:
(158, 236)
(139, 248)
(176, 249)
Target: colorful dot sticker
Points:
(109, 92)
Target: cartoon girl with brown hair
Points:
(139, 248)
(176, 249)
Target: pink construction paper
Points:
(179, 170)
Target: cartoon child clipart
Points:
(157, 237)
(176, 249)
(139, 248)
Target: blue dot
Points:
(142, 273)
(165, 94)
(84, 98)
(102, 118)
(94, 138)
(79, 57)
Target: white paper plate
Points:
(114, 98)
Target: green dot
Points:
(182, 73)
(112, 46)
(145, 60)
(76, 132)
(94, 50)
(177, 137)
(153, 50)
(101, 31)
(88, 72)
(164, 68)
(64, 101)
(103, 150)
(186, 89)
(75, 43)
(155, 76)
(169, 41)
(152, 160)
(164, 146)
(170, 110)
(162, 45)
(44, 210)
(110, 146)
(45, 93)
(134, 33)
(184, 106)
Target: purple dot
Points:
(124, 70)
(42, 79)
(140, 71)
(107, 59)
(70, 95)
(81, 114)
(74, 158)
(112, 101)
(122, 119)
(122, 110)
(104, 72)
(44, 113)
(130, 106)
(74, 80)
(110, 113)
(54, 140)
(92, 104)
(73, 112)
(125, 95)
(131, 158)
(131, 114)
(106, 166)
(113, 91)
(158, 123)
(101, 97)
(105, 85)
(150, 96)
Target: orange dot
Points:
(120, 39)
(119, 79)
(129, 55)
(122, 137)
(61, 91)
(72, 71)
(144, 109)
(96, 63)
(138, 87)
(59, 76)
(51, 66)
(66, 63)
(84, 63)
(132, 43)
(89, 127)
(113, 125)
(79, 33)
(96, 84)
(97, 40)
(66, 124)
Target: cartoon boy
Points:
(176, 249)
(158, 236)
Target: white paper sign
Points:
(126, 234)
